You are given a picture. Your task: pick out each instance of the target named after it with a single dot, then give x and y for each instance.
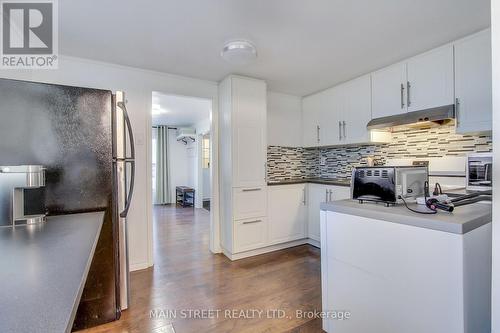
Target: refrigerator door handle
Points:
(122, 106)
(128, 200)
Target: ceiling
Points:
(176, 110)
(303, 45)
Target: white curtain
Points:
(162, 169)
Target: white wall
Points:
(495, 32)
(202, 127)
(203, 175)
(180, 164)
(206, 184)
(138, 85)
(284, 120)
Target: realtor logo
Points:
(29, 34)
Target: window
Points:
(206, 152)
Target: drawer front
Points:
(250, 234)
(249, 202)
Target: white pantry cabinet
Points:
(317, 194)
(287, 213)
(473, 88)
(430, 79)
(243, 150)
(389, 91)
(248, 119)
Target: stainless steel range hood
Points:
(438, 116)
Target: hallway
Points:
(187, 276)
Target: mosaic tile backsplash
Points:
(291, 163)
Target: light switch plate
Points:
(139, 138)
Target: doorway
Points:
(206, 169)
(181, 166)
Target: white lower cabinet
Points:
(249, 202)
(396, 278)
(287, 213)
(250, 234)
(279, 216)
(317, 194)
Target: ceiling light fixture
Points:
(239, 52)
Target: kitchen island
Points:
(398, 271)
(43, 271)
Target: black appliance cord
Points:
(437, 189)
(417, 211)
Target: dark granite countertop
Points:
(461, 221)
(322, 181)
(43, 271)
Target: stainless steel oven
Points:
(479, 171)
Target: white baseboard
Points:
(314, 243)
(139, 266)
(267, 249)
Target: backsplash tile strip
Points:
(291, 163)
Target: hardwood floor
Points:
(187, 276)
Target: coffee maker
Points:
(14, 180)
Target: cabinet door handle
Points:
(330, 197)
(457, 111)
(251, 189)
(340, 130)
(408, 98)
(250, 222)
(304, 196)
(317, 133)
(326, 195)
(402, 96)
(343, 124)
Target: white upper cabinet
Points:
(339, 115)
(473, 89)
(389, 91)
(356, 110)
(430, 79)
(249, 147)
(311, 112)
(319, 114)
